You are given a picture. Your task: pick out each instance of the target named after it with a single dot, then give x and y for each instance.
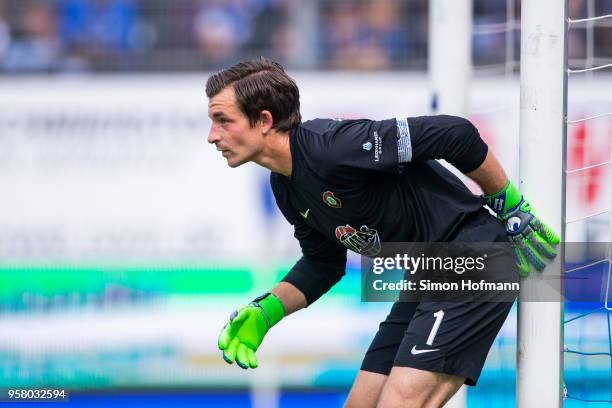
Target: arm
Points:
(457, 141)
(490, 175)
(532, 239)
(321, 266)
(291, 297)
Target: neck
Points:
(276, 155)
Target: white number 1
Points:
(439, 315)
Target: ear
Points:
(266, 121)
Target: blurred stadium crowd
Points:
(161, 35)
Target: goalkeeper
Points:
(352, 184)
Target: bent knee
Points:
(410, 387)
(365, 390)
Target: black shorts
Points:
(444, 337)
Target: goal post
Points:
(543, 107)
(450, 69)
(450, 55)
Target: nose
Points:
(213, 135)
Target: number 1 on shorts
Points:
(439, 315)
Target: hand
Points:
(531, 238)
(246, 329)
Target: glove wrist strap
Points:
(271, 306)
(505, 200)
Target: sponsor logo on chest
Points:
(364, 241)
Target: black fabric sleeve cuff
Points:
(473, 160)
(314, 278)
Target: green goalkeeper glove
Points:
(246, 328)
(530, 237)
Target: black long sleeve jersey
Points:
(357, 183)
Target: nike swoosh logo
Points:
(305, 213)
(414, 351)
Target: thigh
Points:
(451, 337)
(365, 390)
(380, 356)
(382, 351)
(411, 387)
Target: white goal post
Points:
(450, 54)
(450, 70)
(542, 179)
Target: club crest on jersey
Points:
(331, 200)
(367, 146)
(364, 241)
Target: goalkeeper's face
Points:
(231, 132)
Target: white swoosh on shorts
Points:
(414, 350)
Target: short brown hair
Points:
(260, 85)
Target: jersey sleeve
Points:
(451, 138)
(364, 145)
(323, 262)
(360, 146)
